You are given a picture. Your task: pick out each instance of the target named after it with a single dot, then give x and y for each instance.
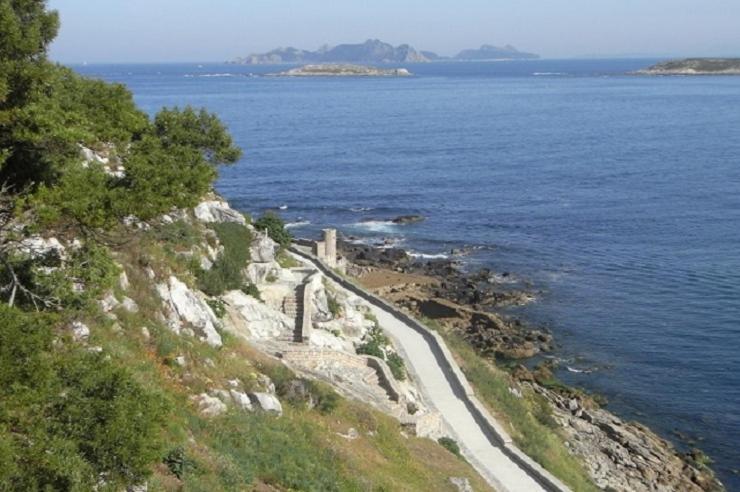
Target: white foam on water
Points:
(425, 256)
(385, 226)
(300, 223)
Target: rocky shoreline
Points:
(618, 455)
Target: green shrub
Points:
(226, 272)
(372, 348)
(450, 445)
(334, 307)
(251, 290)
(218, 307)
(275, 227)
(177, 462)
(75, 416)
(376, 343)
(397, 366)
(75, 283)
(327, 400)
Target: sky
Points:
(218, 30)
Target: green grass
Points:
(286, 260)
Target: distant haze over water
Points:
(617, 197)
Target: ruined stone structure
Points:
(326, 250)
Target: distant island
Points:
(493, 53)
(376, 51)
(338, 70)
(695, 66)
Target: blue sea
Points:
(617, 198)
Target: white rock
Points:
(205, 263)
(266, 383)
(319, 301)
(516, 392)
(39, 247)
(263, 249)
(351, 434)
(241, 400)
(130, 305)
(234, 383)
(123, 281)
(80, 331)
(145, 333)
(462, 484)
(267, 402)
(89, 156)
(108, 303)
(325, 340)
(259, 273)
(218, 211)
(209, 406)
(254, 320)
(184, 305)
(180, 360)
(222, 395)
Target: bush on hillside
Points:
(275, 227)
(450, 445)
(226, 272)
(74, 415)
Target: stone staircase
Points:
(293, 308)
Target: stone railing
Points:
(385, 378)
(307, 356)
(460, 385)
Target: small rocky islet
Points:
(694, 66)
(342, 70)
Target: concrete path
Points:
(482, 452)
(491, 462)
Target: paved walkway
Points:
(493, 464)
(484, 454)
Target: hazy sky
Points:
(217, 30)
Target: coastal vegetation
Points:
(96, 386)
(528, 419)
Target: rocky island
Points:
(339, 70)
(695, 66)
(376, 51)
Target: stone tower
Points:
(330, 245)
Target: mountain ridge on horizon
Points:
(376, 51)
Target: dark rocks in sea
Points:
(463, 300)
(408, 219)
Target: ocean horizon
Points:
(615, 198)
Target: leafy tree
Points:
(26, 29)
(199, 130)
(275, 227)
